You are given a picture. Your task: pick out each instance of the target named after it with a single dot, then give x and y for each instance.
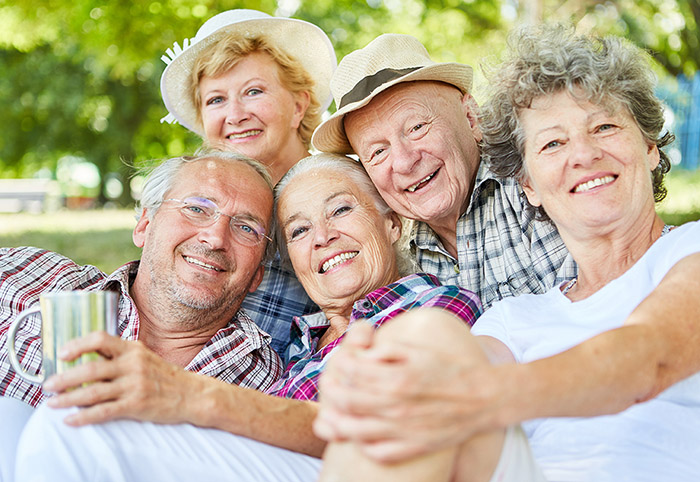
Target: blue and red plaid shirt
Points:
(240, 353)
(300, 380)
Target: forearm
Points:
(655, 348)
(273, 420)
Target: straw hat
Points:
(302, 40)
(361, 75)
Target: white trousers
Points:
(14, 414)
(131, 451)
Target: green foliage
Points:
(81, 77)
(667, 28)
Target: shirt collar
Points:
(423, 236)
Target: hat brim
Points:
(330, 135)
(302, 40)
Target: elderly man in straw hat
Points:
(414, 126)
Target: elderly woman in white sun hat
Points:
(255, 84)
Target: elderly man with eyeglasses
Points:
(202, 227)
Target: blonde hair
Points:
(222, 56)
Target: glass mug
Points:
(65, 315)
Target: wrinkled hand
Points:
(396, 401)
(130, 381)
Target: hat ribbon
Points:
(368, 84)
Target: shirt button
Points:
(366, 305)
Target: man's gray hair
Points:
(547, 59)
(159, 179)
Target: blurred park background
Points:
(81, 107)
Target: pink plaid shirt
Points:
(306, 364)
(239, 353)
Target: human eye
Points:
(198, 208)
(194, 209)
(417, 127)
(605, 127)
(253, 92)
(342, 209)
(377, 155)
(551, 145)
(216, 99)
(295, 233)
(246, 229)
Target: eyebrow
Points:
(297, 215)
(589, 117)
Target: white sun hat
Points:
(361, 75)
(301, 40)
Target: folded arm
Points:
(402, 402)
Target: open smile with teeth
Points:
(200, 263)
(587, 186)
(336, 260)
(421, 183)
(243, 135)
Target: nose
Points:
(217, 235)
(404, 156)
(584, 150)
(236, 112)
(324, 234)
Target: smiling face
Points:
(338, 242)
(418, 142)
(249, 110)
(203, 268)
(588, 165)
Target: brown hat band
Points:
(367, 85)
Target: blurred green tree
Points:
(81, 77)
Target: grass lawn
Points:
(98, 237)
(103, 237)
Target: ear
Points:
(471, 111)
(301, 103)
(530, 192)
(139, 234)
(394, 227)
(257, 279)
(653, 156)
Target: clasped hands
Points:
(395, 401)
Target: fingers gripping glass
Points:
(203, 212)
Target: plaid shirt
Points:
(239, 353)
(502, 251)
(278, 299)
(300, 381)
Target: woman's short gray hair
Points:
(355, 171)
(547, 59)
(159, 179)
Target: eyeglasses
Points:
(202, 212)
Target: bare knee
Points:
(432, 328)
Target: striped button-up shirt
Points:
(300, 381)
(239, 353)
(501, 249)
